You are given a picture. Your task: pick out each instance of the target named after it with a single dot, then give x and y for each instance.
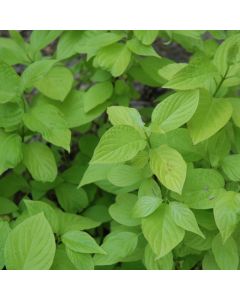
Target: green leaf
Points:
(61, 260)
(162, 263)
(180, 140)
(201, 188)
(226, 255)
(121, 210)
(36, 71)
(199, 73)
(209, 262)
(40, 162)
(48, 120)
(174, 111)
(124, 175)
(36, 207)
(4, 232)
(149, 199)
(9, 83)
(94, 173)
(41, 38)
(10, 150)
(91, 41)
(80, 241)
(68, 41)
(97, 94)
(228, 52)
(138, 48)
(161, 231)
(117, 246)
(226, 209)
(168, 71)
(119, 144)
(218, 146)
(114, 58)
(56, 84)
(198, 243)
(169, 167)
(230, 166)
(147, 37)
(82, 261)
(12, 53)
(210, 117)
(72, 222)
(30, 245)
(71, 198)
(120, 115)
(73, 110)
(7, 206)
(11, 114)
(184, 217)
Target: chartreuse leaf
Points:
(121, 211)
(230, 165)
(80, 241)
(184, 217)
(174, 111)
(48, 120)
(149, 198)
(82, 261)
(201, 188)
(119, 144)
(114, 58)
(147, 37)
(56, 84)
(10, 150)
(4, 232)
(226, 209)
(30, 245)
(161, 231)
(120, 115)
(40, 162)
(9, 83)
(97, 94)
(117, 246)
(210, 116)
(169, 167)
(225, 254)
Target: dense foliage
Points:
(120, 150)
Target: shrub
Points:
(120, 150)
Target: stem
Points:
(221, 82)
